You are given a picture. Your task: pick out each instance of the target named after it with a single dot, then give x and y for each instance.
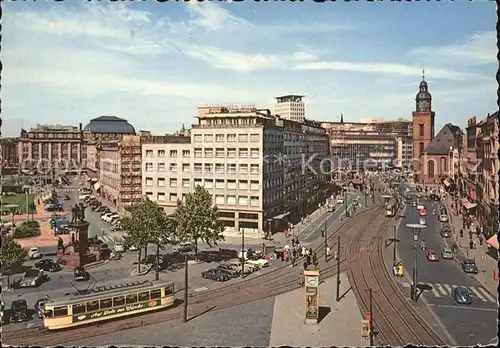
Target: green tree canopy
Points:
(11, 253)
(197, 218)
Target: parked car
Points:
(18, 311)
(432, 255)
(216, 274)
(40, 306)
(236, 263)
(119, 247)
(469, 266)
(48, 265)
(34, 253)
(228, 269)
(32, 278)
(462, 295)
(443, 218)
(253, 267)
(446, 253)
(81, 274)
(260, 263)
(445, 233)
(63, 229)
(183, 247)
(340, 200)
(209, 256)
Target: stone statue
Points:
(74, 213)
(82, 212)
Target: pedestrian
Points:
(294, 253)
(308, 259)
(394, 270)
(293, 262)
(293, 243)
(310, 251)
(72, 239)
(480, 239)
(470, 235)
(461, 233)
(471, 244)
(102, 231)
(305, 265)
(297, 241)
(303, 251)
(307, 252)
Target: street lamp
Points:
(416, 235)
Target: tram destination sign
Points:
(113, 311)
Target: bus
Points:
(390, 207)
(108, 301)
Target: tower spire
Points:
(423, 73)
(341, 117)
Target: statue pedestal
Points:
(81, 227)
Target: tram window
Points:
(48, 313)
(132, 298)
(144, 296)
(118, 301)
(60, 311)
(78, 308)
(169, 290)
(92, 306)
(155, 294)
(106, 303)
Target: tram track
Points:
(397, 322)
(278, 281)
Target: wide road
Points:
(467, 324)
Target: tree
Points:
(11, 255)
(197, 219)
(147, 224)
(32, 209)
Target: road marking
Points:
(200, 289)
(434, 291)
(461, 307)
(477, 293)
(448, 288)
(487, 295)
(441, 289)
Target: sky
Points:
(154, 63)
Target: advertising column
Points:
(311, 285)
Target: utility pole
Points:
(326, 242)
(338, 269)
(415, 265)
(394, 241)
(345, 198)
(372, 336)
(243, 252)
(186, 294)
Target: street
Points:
(468, 324)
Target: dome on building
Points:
(109, 124)
(423, 93)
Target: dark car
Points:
(48, 265)
(229, 269)
(228, 254)
(209, 256)
(40, 306)
(18, 311)
(67, 198)
(216, 274)
(445, 233)
(469, 266)
(462, 295)
(81, 274)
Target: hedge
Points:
(29, 229)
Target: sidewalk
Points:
(485, 263)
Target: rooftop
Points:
(110, 124)
(444, 140)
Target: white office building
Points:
(290, 107)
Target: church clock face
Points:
(423, 105)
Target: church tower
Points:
(423, 123)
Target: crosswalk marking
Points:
(478, 294)
(440, 288)
(435, 292)
(112, 237)
(487, 295)
(448, 288)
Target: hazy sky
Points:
(153, 63)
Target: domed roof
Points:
(423, 93)
(110, 124)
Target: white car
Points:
(259, 263)
(111, 217)
(132, 248)
(106, 216)
(34, 253)
(340, 201)
(119, 247)
(420, 206)
(443, 218)
(236, 264)
(423, 221)
(253, 267)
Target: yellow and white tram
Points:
(108, 301)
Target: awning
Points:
(469, 205)
(97, 186)
(446, 183)
(281, 216)
(493, 241)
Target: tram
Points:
(108, 301)
(390, 207)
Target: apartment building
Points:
(120, 172)
(468, 183)
(10, 155)
(290, 107)
(51, 148)
(249, 160)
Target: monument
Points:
(311, 285)
(81, 228)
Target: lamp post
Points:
(416, 235)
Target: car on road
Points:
(132, 248)
(445, 233)
(236, 263)
(119, 246)
(18, 311)
(48, 265)
(340, 201)
(216, 274)
(253, 267)
(469, 266)
(183, 247)
(80, 274)
(423, 221)
(462, 295)
(34, 253)
(67, 198)
(446, 253)
(40, 306)
(259, 263)
(63, 229)
(229, 269)
(431, 255)
(420, 206)
(32, 278)
(443, 218)
(423, 212)
(413, 204)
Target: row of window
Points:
(107, 303)
(253, 185)
(210, 153)
(243, 201)
(230, 138)
(430, 167)
(210, 168)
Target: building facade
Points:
(51, 148)
(120, 172)
(10, 155)
(290, 107)
(469, 180)
(248, 159)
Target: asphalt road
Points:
(467, 324)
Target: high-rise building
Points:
(290, 107)
(249, 160)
